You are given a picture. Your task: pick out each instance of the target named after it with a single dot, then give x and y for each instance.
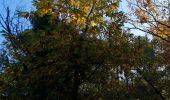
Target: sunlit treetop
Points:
(161, 30)
(150, 16)
(81, 13)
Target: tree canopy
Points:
(80, 50)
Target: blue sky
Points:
(24, 5)
(124, 8)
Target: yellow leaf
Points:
(86, 9)
(93, 24)
(75, 3)
(80, 20)
(44, 11)
(113, 7)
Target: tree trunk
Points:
(76, 83)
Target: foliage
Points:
(78, 50)
(151, 17)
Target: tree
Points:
(72, 49)
(151, 17)
(78, 50)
